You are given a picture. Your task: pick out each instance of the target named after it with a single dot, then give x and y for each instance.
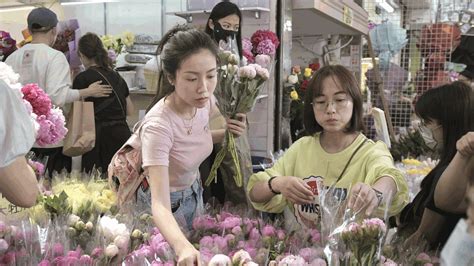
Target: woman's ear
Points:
(170, 79)
(210, 23)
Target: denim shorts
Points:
(185, 204)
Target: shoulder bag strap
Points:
(115, 93)
(350, 159)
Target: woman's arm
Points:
(130, 107)
(18, 183)
(430, 226)
(164, 219)
(450, 190)
(95, 90)
(365, 196)
(292, 188)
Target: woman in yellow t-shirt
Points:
(335, 153)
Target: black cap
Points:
(42, 19)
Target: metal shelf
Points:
(204, 14)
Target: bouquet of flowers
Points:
(115, 44)
(7, 45)
(238, 88)
(297, 84)
(67, 40)
(49, 121)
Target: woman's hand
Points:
(363, 196)
(294, 189)
(237, 126)
(188, 256)
(465, 145)
(96, 90)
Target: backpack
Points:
(125, 172)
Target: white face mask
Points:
(458, 249)
(427, 135)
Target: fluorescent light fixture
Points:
(385, 5)
(16, 8)
(85, 2)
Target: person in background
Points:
(111, 112)
(335, 153)
(38, 63)
(223, 23)
(17, 179)
(175, 136)
(446, 116)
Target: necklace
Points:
(187, 122)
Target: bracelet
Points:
(379, 195)
(270, 186)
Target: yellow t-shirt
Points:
(308, 160)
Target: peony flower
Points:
(262, 72)
(261, 35)
(97, 253)
(206, 255)
(221, 243)
(237, 230)
(292, 79)
(230, 222)
(89, 226)
(269, 231)
(57, 118)
(266, 47)
(111, 251)
(86, 260)
(241, 257)
(248, 72)
(38, 99)
(58, 250)
(220, 260)
(390, 262)
(318, 262)
(204, 222)
(249, 56)
(121, 241)
(44, 263)
(206, 241)
(263, 60)
(423, 257)
(292, 260)
(247, 45)
(3, 245)
(74, 253)
(8, 75)
(162, 250)
(254, 234)
(315, 235)
(281, 234)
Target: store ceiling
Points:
(12, 3)
(418, 4)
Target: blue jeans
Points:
(185, 204)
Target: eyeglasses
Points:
(322, 105)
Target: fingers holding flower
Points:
(363, 196)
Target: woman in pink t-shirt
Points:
(176, 138)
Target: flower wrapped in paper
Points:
(387, 40)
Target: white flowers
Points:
(111, 228)
(220, 260)
(292, 79)
(11, 78)
(111, 251)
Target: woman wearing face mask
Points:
(445, 116)
(223, 25)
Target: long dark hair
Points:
(176, 46)
(315, 87)
(91, 47)
(222, 10)
(451, 105)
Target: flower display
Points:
(7, 44)
(115, 44)
(297, 82)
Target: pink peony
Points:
(86, 260)
(423, 257)
(220, 260)
(205, 222)
(58, 250)
(308, 254)
(44, 263)
(56, 117)
(315, 235)
(254, 234)
(230, 222)
(292, 260)
(236, 230)
(261, 35)
(263, 60)
(206, 241)
(221, 244)
(71, 260)
(9, 258)
(281, 234)
(97, 252)
(318, 262)
(3, 245)
(38, 99)
(60, 261)
(249, 56)
(248, 72)
(206, 255)
(247, 45)
(390, 262)
(268, 230)
(162, 250)
(74, 253)
(266, 47)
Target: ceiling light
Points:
(85, 2)
(16, 8)
(385, 5)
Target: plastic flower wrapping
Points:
(415, 171)
(67, 40)
(387, 40)
(236, 92)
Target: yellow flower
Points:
(128, 38)
(307, 72)
(411, 162)
(294, 95)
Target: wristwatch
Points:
(379, 195)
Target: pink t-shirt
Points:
(165, 142)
